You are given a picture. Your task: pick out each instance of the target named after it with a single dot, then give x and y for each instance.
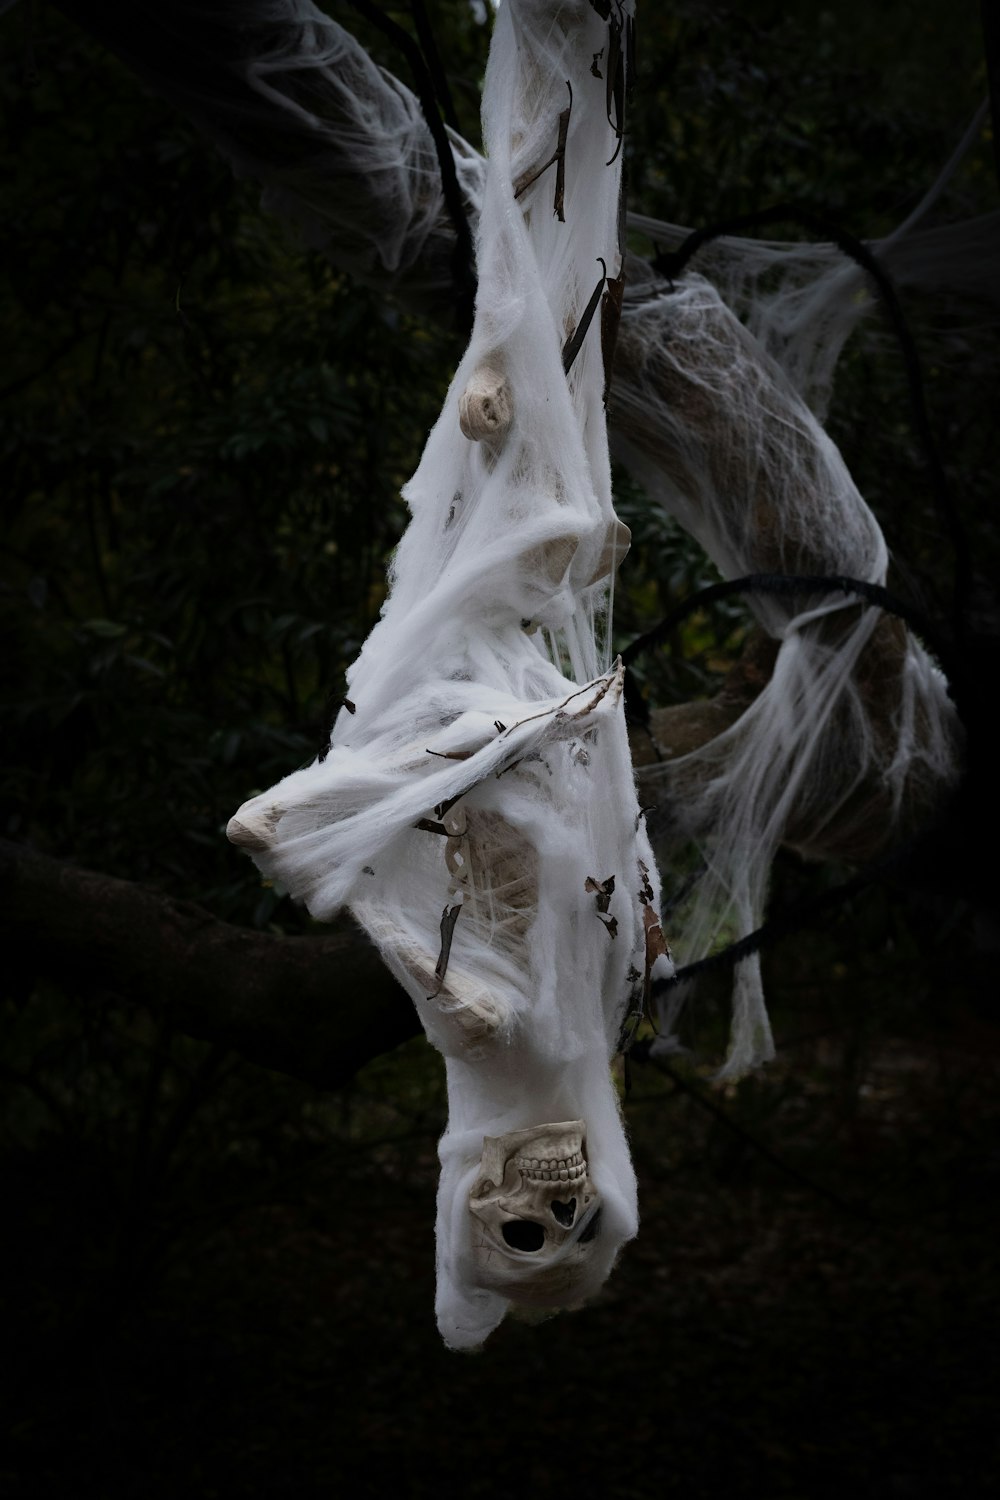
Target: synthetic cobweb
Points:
(476, 809)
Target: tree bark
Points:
(315, 1008)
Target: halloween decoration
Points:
(476, 809)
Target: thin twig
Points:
(559, 157)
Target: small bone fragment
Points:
(254, 828)
(498, 874)
(476, 1013)
(485, 410)
(616, 545)
(551, 559)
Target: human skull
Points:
(535, 1214)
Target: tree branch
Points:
(315, 1008)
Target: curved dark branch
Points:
(430, 83)
(288, 96)
(671, 263)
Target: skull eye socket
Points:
(522, 1234)
(564, 1213)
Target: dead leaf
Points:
(449, 917)
(574, 343)
(656, 943)
(602, 889)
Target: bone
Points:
(472, 1013)
(485, 407)
(498, 874)
(253, 827)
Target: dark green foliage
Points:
(203, 446)
(847, 107)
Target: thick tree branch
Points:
(315, 1008)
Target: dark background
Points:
(218, 1281)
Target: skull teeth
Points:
(554, 1169)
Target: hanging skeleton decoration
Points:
(476, 809)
